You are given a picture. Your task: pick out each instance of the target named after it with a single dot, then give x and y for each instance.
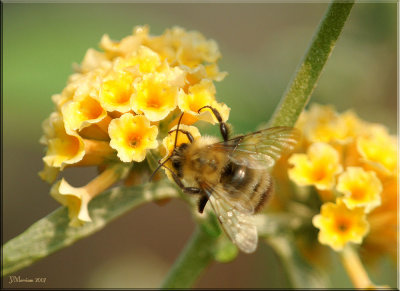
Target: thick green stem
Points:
(305, 79)
(198, 253)
(196, 256)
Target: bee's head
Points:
(176, 154)
(178, 157)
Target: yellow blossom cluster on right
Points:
(352, 164)
(121, 102)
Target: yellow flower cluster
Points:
(122, 100)
(352, 164)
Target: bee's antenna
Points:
(159, 166)
(176, 140)
(177, 129)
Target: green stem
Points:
(198, 253)
(305, 79)
(196, 256)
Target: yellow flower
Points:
(63, 147)
(93, 60)
(189, 48)
(339, 225)
(353, 124)
(49, 174)
(318, 167)
(379, 149)
(116, 91)
(146, 60)
(120, 98)
(126, 45)
(214, 73)
(383, 220)
(67, 94)
(361, 188)
(193, 48)
(200, 95)
(324, 124)
(200, 72)
(82, 112)
(155, 96)
(77, 199)
(131, 136)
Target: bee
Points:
(233, 174)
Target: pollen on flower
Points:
(318, 167)
(361, 188)
(339, 225)
(132, 136)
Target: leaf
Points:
(53, 233)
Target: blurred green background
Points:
(261, 45)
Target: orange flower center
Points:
(319, 174)
(154, 102)
(122, 96)
(134, 141)
(195, 106)
(343, 224)
(357, 193)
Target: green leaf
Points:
(298, 271)
(53, 233)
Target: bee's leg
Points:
(222, 125)
(202, 203)
(187, 190)
(188, 134)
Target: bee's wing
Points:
(260, 149)
(221, 193)
(237, 224)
